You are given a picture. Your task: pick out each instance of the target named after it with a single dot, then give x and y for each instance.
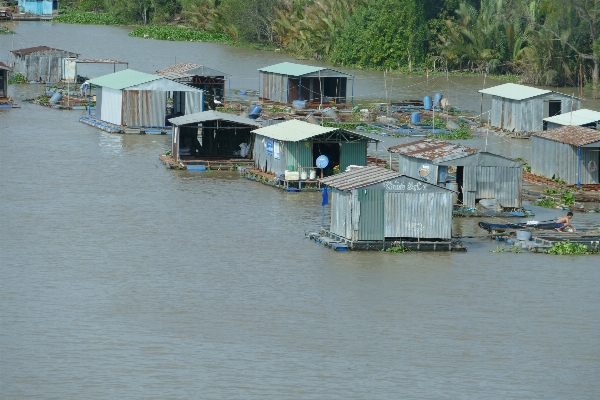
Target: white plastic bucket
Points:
(523, 235)
(313, 174)
(303, 175)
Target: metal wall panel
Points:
(501, 183)
(550, 158)
(353, 154)
(267, 162)
(194, 102)
(144, 108)
(341, 213)
(112, 100)
(273, 87)
(372, 210)
(418, 215)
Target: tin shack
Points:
(295, 145)
(212, 138)
(374, 204)
(519, 108)
(474, 174)
(211, 81)
(569, 153)
(584, 117)
(40, 64)
(286, 82)
(38, 7)
(4, 70)
(131, 98)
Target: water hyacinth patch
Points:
(179, 34)
(88, 18)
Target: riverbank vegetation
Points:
(543, 42)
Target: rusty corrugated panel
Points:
(434, 150)
(573, 135)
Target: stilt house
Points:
(569, 153)
(478, 174)
(584, 117)
(219, 135)
(286, 82)
(295, 145)
(135, 99)
(211, 81)
(377, 204)
(40, 64)
(520, 108)
(4, 70)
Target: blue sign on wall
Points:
(270, 147)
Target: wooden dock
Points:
(339, 243)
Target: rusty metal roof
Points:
(434, 150)
(36, 49)
(573, 135)
(4, 66)
(360, 177)
(187, 69)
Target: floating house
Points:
(584, 117)
(41, 63)
(38, 7)
(569, 153)
(479, 174)
(286, 82)
(213, 136)
(130, 98)
(374, 204)
(519, 108)
(211, 81)
(295, 145)
(4, 70)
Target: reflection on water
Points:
(122, 279)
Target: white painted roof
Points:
(577, 117)
(294, 131)
(514, 91)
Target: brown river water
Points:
(122, 279)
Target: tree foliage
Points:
(383, 34)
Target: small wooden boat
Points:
(491, 226)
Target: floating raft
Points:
(338, 243)
(105, 126)
(490, 226)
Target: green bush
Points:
(17, 78)
(174, 33)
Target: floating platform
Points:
(280, 182)
(206, 163)
(339, 243)
(541, 241)
(113, 128)
(102, 125)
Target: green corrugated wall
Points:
(304, 154)
(353, 154)
(372, 222)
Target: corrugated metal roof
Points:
(123, 79)
(4, 66)
(433, 150)
(187, 69)
(360, 177)
(292, 69)
(573, 135)
(98, 61)
(578, 117)
(514, 91)
(35, 49)
(295, 130)
(212, 116)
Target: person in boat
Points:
(563, 222)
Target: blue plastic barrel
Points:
(415, 117)
(196, 168)
(55, 98)
(299, 104)
(255, 112)
(427, 103)
(436, 99)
